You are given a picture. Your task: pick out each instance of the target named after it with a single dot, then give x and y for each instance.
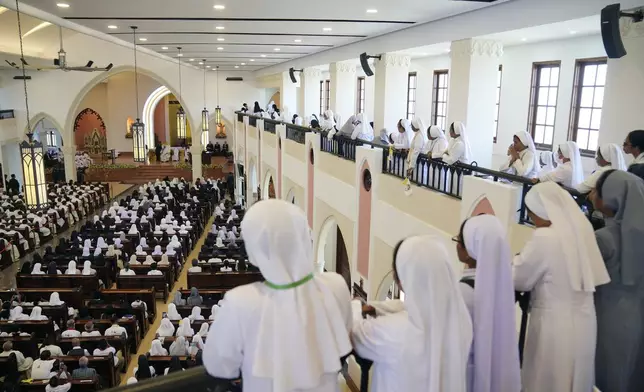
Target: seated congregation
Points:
(140, 243)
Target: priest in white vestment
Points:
(561, 266)
(425, 346)
(289, 332)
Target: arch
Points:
(268, 191)
(101, 77)
(84, 124)
(42, 116)
(332, 252)
(364, 219)
(252, 177)
(290, 196)
(148, 112)
(388, 289)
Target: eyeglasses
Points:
(457, 239)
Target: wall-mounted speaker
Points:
(610, 29)
(291, 73)
(364, 61)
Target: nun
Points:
(620, 304)
(489, 295)
(458, 149)
(295, 324)
(570, 172)
(402, 139)
(547, 162)
(436, 143)
(166, 329)
(363, 130)
(608, 157)
(561, 265)
(71, 269)
(156, 348)
(523, 160)
(173, 314)
(416, 145)
(424, 347)
(184, 328)
(327, 123)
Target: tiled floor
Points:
(8, 275)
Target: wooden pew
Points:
(27, 345)
(130, 326)
(168, 272)
(130, 295)
(155, 282)
(89, 343)
(77, 386)
(159, 363)
(56, 313)
(222, 280)
(87, 283)
(103, 365)
(72, 296)
(121, 310)
(210, 297)
(40, 328)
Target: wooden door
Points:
(342, 265)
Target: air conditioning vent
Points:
(234, 79)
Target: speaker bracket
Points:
(637, 16)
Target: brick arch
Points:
(86, 121)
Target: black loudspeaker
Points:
(291, 73)
(610, 32)
(364, 61)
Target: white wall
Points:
(41, 129)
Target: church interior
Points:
(135, 136)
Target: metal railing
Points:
(6, 114)
(252, 120)
(270, 125)
(296, 133)
(240, 116)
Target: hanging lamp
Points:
(205, 116)
(138, 128)
(218, 119)
(181, 114)
(31, 151)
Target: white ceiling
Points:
(548, 32)
(251, 27)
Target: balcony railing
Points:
(240, 116)
(252, 121)
(296, 133)
(6, 114)
(270, 125)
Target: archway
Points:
(269, 187)
(290, 196)
(254, 185)
(90, 132)
(332, 252)
(388, 289)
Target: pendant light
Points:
(218, 120)
(31, 152)
(138, 128)
(181, 115)
(205, 116)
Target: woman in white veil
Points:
(363, 129)
(459, 149)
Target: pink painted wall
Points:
(364, 225)
(159, 120)
(85, 126)
(279, 169)
(309, 208)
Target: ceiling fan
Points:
(61, 62)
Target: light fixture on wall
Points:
(138, 128)
(181, 114)
(205, 116)
(31, 152)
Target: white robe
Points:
(561, 175)
(523, 167)
(559, 351)
(224, 354)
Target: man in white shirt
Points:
(71, 331)
(115, 329)
(154, 270)
(42, 366)
(195, 266)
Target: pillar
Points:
(309, 92)
(390, 104)
(288, 96)
(624, 91)
(195, 150)
(472, 93)
(69, 154)
(343, 89)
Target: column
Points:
(343, 89)
(624, 91)
(288, 96)
(69, 153)
(195, 150)
(309, 92)
(390, 104)
(472, 93)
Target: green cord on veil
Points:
(289, 286)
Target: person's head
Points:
(401, 126)
(256, 107)
(89, 326)
(175, 364)
(535, 207)
(461, 250)
(45, 355)
(71, 324)
(194, 292)
(633, 144)
(7, 346)
(102, 344)
(561, 156)
(144, 368)
(195, 262)
(153, 266)
(53, 382)
(13, 176)
(199, 358)
(114, 319)
(226, 263)
(82, 362)
(75, 342)
(12, 364)
(600, 160)
(518, 144)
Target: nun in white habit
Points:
(436, 143)
(546, 161)
(570, 171)
(609, 156)
(402, 138)
(166, 328)
(363, 130)
(458, 149)
(425, 347)
(417, 142)
(522, 160)
(295, 324)
(561, 265)
(494, 363)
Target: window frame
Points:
(360, 95)
(435, 92)
(534, 100)
(327, 85)
(575, 105)
(498, 102)
(321, 97)
(411, 76)
(51, 139)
